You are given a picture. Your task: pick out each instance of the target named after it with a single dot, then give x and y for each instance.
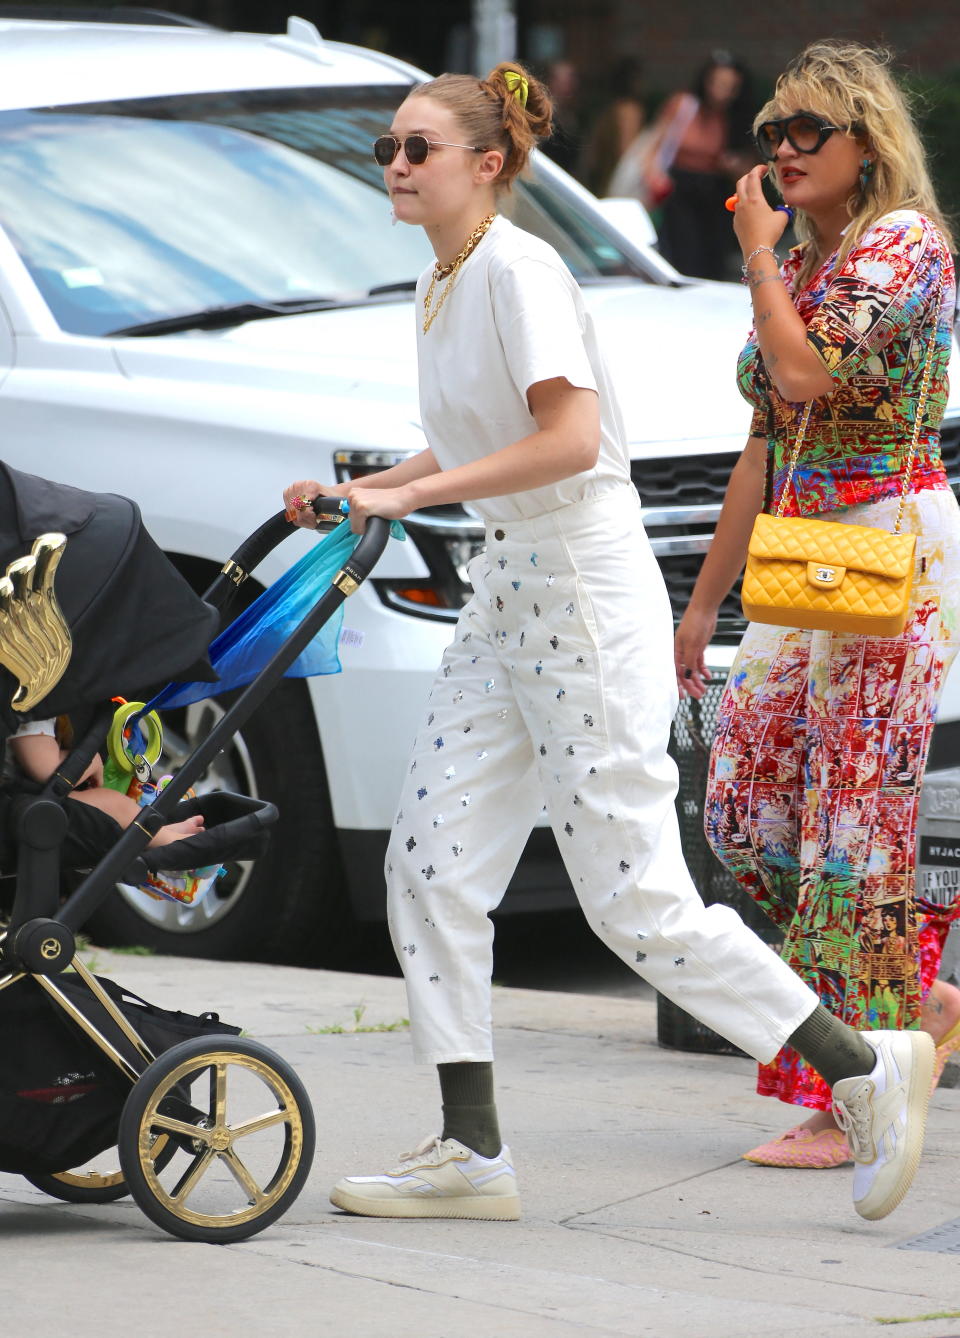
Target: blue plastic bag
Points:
(246, 646)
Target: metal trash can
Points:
(693, 730)
(938, 854)
(938, 869)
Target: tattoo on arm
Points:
(764, 278)
(763, 317)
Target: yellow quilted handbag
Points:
(825, 575)
(828, 576)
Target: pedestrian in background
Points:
(565, 142)
(838, 723)
(557, 687)
(616, 126)
(700, 146)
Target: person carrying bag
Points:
(853, 585)
(643, 172)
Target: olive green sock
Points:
(469, 1113)
(835, 1050)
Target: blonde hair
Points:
(493, 116)
(852, 86)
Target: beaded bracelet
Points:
(757, 250)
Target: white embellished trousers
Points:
(558, 690)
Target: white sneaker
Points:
(884, 1114)
(440, 1178)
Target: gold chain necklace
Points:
(450, 272)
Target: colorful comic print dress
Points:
(822, 737)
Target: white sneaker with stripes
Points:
(440, 1178)
(883, 1115)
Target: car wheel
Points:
(290, 904)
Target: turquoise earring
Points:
(866, 172)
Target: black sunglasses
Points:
(415, 148)
(804, 131)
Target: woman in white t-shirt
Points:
(558, 687)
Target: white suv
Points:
(202, 298)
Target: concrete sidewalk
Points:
(640, 1218)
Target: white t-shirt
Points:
(48, 727)
(514, 317)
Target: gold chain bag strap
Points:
(828, 576)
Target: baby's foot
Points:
(178, 831)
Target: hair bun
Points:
(527, 104)
(509, 110)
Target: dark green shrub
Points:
(936, 103)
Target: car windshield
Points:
(128, 213)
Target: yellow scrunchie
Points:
(517, 85)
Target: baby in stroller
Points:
(121, 618)
(36, 751)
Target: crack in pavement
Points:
(818, 1279)
(644, 1193)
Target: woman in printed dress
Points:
(844, 323)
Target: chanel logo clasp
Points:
(827, 578)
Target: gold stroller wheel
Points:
(95, 1185)
(82, 1186)
(241, 1125)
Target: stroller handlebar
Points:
(372, 542)
(271, 534)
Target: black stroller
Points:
(214, 1132)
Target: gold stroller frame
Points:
(149, 1138)
(157, 1125)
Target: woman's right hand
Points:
(297, 497)
(693, 637)
(756, 223)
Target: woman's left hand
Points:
(390, 503)
(754, 222)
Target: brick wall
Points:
(674, 37)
